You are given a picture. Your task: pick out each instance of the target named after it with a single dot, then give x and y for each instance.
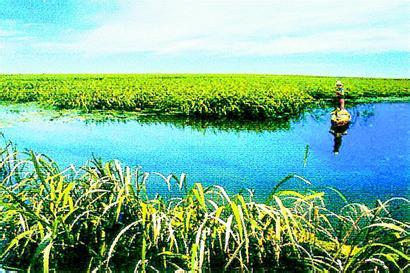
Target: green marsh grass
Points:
(198, 95)
(101, 217)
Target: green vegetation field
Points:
(213, 95)
(99, 218)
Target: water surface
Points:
(372, 161)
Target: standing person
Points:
(340, 94)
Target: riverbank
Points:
(254, 97)
(100, 216)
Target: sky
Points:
(336, 38)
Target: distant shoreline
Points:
(204, 74)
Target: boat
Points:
(340, 117)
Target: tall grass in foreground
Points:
(99, 217)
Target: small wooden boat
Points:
(340, 117)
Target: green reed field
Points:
(213, 95)
(100, 217)
(103, 216)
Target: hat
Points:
(339, 83)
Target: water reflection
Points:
(338, 132)
(361, 115)
(17, 113)
(221, 125)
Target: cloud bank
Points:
(241, 27)
(267, 36)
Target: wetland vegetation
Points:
(100, 217)
(103, 216)
(206, 95)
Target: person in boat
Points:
(340, 119)
(340, 94)
(340, 116)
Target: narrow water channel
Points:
(370, 161)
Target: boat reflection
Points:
(338, 132)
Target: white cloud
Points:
(247, 28)
(6, 33)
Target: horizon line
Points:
(202, 73)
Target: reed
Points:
(202, 95)
(103, 217)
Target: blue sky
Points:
(344, 38)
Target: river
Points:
(368, 162)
